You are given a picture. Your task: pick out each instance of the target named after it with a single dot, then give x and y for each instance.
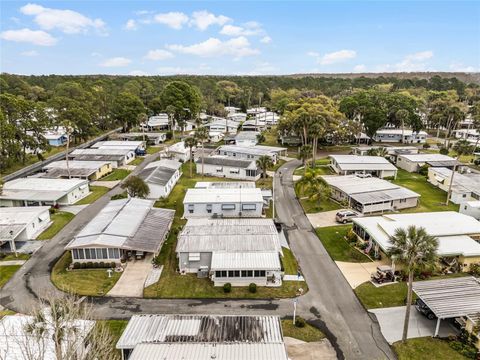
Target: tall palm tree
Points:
(190, 142)
(313, 185)
(201, 135)
(264, 162)
(372, 152)
(303, 154)
(415, 249)
(382, 152)
(68, 126)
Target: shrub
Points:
(444, 151)
(76, 265)
(168, 135)
(102, 264)
(52, 210)
(351, 236)
(89, 264)
(475, 269)
(426, 146)
(423, 170)
(252, 288)
(113, 265)
(300, 322)
(227, 287)
(83, 265)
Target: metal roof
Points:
(224, 195)
(57, 173)
(179, 147)
(423, 158)
(449, 298)
(384, 195)
(93, 151)
(131, 224)
(206, 351)
(188, 329)
(228, 235)
(76, 164)
(40, 189)
(227, 161)
(247, 135)
(245, 261)
(357, 162)
(353, 184)
(252, 150)
(160, 172)
(13, 220)
(224, 184)
(118, 144)
(462, 182)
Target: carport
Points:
(450, 298)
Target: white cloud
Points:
(138, 73)
(116, 62)
(131, 25)
(410, 63)
(460, 67)
(419, 56)
(176, 70)
(359, 68)
(237, 47)
(231, 30)
(37, 37)
(173, 19)
(203, 19)
(68, 21)
(264, 68)
(337, 56)
(158, 54)
(266, 39)
(29, 53)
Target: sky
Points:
(238, 37)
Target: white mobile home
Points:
(161, 177)
(256, 110)
(395, 136)
(41, 191)
(179, 151)
(90, 170)
(471, 208)
(254, 125)
(222, 126)
(237, 117)
(247, 138)
(122, 228)
(157, 122)
(465, 186)
(413, 163)
(236, 251)
(227, 167)
(117, 144)
(225, 202)
(22, 223)
(117, 157)
(202, 337)
(467, 134)
(152, 138)
(370, 195)
(353, 164)
(252, 152)
(268, 117)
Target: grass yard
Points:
(137, 161)
(116, 328)
(89, 282)
(417, 349)
(6, 272)
(289, 262)
(11, 256)
(332, 237)
(432, 198)
(117, 174)
(153, 149)
(59, 220)
(314, 206)
(31, 159)
(96, 193)
(308, 333)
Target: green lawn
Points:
(137, 161)
(116, 328)
(12, 256)
(314, 206)
(332, 237)
(153, 150)
(31, 159)
(59, 220)
(6, 272)
(432, 198)
(90, 282)
(426, 348)
(96, 193)
(117, 174)
(289, 262)
(308, 333)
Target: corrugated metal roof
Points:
(384, 195)
(227, 161)
(95, 158)
(224, 184)
(205, 351)
(252, 150)
(76, 164)
(126, 223)
(114, 144)
(357, 162)
(188, 329)
(230, 235)
(223, 195)
(352, 184)
(57, 173)
(427, 157)
(13, 220)
(245, 260)
(93, 151)
(40, 189)
(449, 298)
(159, 175)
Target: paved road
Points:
(330, 301)
(330, 298)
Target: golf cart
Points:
(383, 274)
(424, 309)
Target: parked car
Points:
(139, 255)
(345, 216)
(424, 309)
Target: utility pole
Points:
(449, 193)
(294, 309)
(273, 196)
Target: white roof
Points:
(118, 144)
(77, 164)
(40, 189)
(246, 260)
(99, 151)
(406, 132)
(473, 204)
(224, 184)
(179, 147)
(13, 220)
(352, 184)
(166, 163)
(229, 235)
(357, 162)
(158, 120)
(222, 196)
(422, 158)
(16, 341)
(222, 122)
(461, 182)
(252, 150)
(447, 226)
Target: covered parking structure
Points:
(450, 298)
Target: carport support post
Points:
(437, 328)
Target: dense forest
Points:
(312, 107)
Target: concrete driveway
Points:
(323, 219)
(358, 273)
(318, 350)
(133, 278)
(391, 324)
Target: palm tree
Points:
(264, 162)
(372, 152)
(314, 186)
(415, 249)
(170, 110)
(67, 124)
(303, 154)
(402, 115)
(201, 134)
(383, 152)
(190, 142)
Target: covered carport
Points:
(450, 298)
